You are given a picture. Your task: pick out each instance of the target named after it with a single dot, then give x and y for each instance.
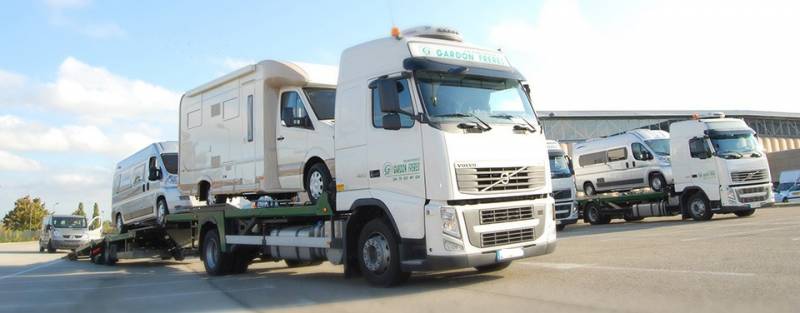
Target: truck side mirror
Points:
(389, 94)
(391, 121)
(571, 167)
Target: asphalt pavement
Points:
(728, 264)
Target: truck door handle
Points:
(280, 138)
(694, 175)
(634, 163)
(143, 186)
(626, 165)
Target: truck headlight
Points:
(450, 222)
(730, 194)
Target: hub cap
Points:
(315, 184)
(376, 253)
(698, 207)
(119, 223)
(656, 183)
(162, 213)
(211, 254)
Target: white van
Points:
(65, 232)
(265, 129)
(788, 187)
(145, 187)
(634, 159)
(563, 179)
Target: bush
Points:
(7, 235)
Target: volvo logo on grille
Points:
(504, 178)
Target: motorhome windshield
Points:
(559, 166)
(449, 97)
(322, 102)
(659, 146)
(734, 144)
(170, 162)
(69, 222)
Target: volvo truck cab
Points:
(722, 167)
(563, 179)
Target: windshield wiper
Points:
(529, 127)
(485, 126)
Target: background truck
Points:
(563, 179)
(718, 167)
(440, 163)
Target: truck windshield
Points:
(453, 96)
(559, 166)
(69, 222)
(735, 145)
(659, 146)
(170, 162)
(322, 102)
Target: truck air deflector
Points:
(426, 64)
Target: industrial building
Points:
(778, 132)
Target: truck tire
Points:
(215, 261)
(593, 215)
(745, 213)
(379, 255)
(699, 208)
(493, 267)
(109, 254)
(161, 212)
(318, 181)
(241, 260)
(588, 189)
(657, 182)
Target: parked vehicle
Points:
(145, 187)
(563, 180)
(634, 159)
(719, 167)
(788, 187)
(65, 232)
(265, 129)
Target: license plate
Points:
(755, 205)
(509, 253)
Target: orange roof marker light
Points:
(395, 32)
(696, 116)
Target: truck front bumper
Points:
(438, 262)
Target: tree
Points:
(26, 215)
(80, 210)
(95, 213)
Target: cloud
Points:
(11, 162)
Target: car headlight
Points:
(56, 233)
(171, 180)
(450, 222)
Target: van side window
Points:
(592, 158)
(618, 154)
(639, 151)
(138, 174)
(698, 148)
(405, 103)
(293, 113)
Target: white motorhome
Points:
(788, 187)
(563, 179)
(265, 129)
(145, 187)
(722, 168)
(634, 159)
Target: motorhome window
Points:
(452, 96)
(170, 161)
(249, 118)
(322, 102)
(617, 154)
(559, 166)
(592, 158)
(69, 222)
(698, 147)
(293, 112)
(734, 144)
(125, 180)
(138, 173)
(117, 182)
(659, 146)
(230, 109)
(194, 119)
(215, 110)
(405, 104)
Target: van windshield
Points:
(659, 146)
(322, 102)
(170, 162)
(69, 222)
(453, 96)
(735, 144)
(559, 166)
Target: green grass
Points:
(7, 235)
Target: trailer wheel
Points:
(379, 255)
(745, 213)
(215, 261)
(699, 208)
(493, 267)
(657, 182)
(594, 216)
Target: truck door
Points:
(702, 168)
(394, 158)
(292, 136)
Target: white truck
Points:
(265, 129)
(564, 191)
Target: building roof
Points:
(663, 114)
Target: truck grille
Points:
(491, 216)
(748, 176)
(563, 210)
(506, 237)
(562, 194)
(500, 179)
(752, 194)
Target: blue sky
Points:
(84, 83)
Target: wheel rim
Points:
(315, 184)
(656, 183)
(698, 207)
(589, 190)
(593, 214)
(162, 213)
(211, 254)
(119, 223)
(376, 254)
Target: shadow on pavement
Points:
(618, 225)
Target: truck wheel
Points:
(120, 224)
(215, 261)
(318, 181)
(594, 216)
(241, 260)
(379, 256)
(699, 208)
(588, 189)
(657, 182)
(493, 267)
(50, 247)
(41, 248)
(161, 212)
(745, 213)
(109, 254)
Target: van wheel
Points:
(594, 216)
(215, 261)
(588, 189)
(161, 212)
(41, 248)
(745, 213)
(699, 208)
(379, 255)
(318, 181)
(120, 224)
(657, 182)
(50, 247)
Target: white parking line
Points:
(32, 268)
(571, 266)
